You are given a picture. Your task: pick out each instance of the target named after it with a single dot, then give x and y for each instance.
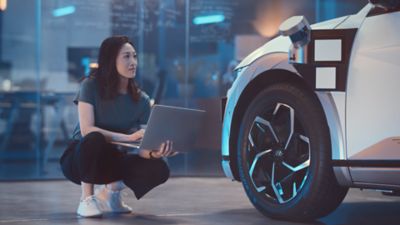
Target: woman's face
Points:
(126, 61)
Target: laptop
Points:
(180, 125)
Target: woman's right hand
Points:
(136, 135)
(165, 150)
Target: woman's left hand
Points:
(165, 150)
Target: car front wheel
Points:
(284, 155)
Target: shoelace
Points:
(88, 199)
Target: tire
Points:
(284, 155)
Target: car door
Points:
(373, 101)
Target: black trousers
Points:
(93, 160)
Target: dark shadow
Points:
(153, 219)
(107, 218)
(365, 213)
(248, 216)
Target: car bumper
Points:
(225, 144)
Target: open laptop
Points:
(179, 125)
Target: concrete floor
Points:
(180, 201)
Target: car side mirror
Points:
(298, 30)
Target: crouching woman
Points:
(110, 105)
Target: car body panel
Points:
(373, 116)
(373, 84)
(356, 20)
(279, 44)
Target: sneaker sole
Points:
(93, 216)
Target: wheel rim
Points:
(278, 154)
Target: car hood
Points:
(282, 44)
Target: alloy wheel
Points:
(278, 154)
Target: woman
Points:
(110, 106)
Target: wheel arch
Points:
(260, 82)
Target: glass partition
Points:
(187, 51)
(19, 90)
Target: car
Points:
(313, 113)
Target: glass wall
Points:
(187, 50)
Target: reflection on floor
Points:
(180, 201)
(196, 163)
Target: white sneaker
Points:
(111, 201)
(88, 207)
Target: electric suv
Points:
(315, 112)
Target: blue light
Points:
(63, 11)
(198, 20)
(85, 62)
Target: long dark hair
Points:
(107, 74)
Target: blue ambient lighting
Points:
(85, 62)
(63, 11)
(198, 20)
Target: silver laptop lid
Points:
(180, 125)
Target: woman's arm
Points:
(86, 122)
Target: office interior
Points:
(187, 50)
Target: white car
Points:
(316, 111)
